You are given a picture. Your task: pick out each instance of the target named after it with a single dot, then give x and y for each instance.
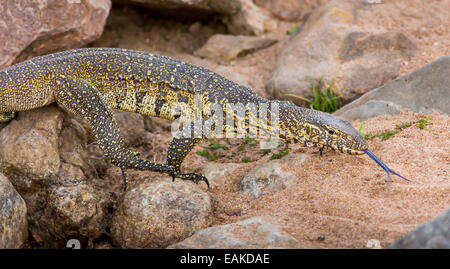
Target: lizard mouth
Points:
(347, 150)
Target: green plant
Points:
(279, 155)
(246, 160)
(383, 135)
(389, 133)
(251, 141)
(293, 29)
(210, 152)
(217, 146)
(360, 129)
(422, 124)
(325, 98)
(207, 154)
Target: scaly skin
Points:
(91, 82)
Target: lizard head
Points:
(315, 128)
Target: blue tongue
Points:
(387, 169)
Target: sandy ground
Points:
(427, 23)
(341, 199)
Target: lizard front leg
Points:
(84, 100)
(7, 116)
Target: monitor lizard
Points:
(90, 82)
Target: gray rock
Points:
(250, 20)
(256, 232)
(229, 47)
(61, 213)
(332, 46)
(431, 234)
(13, 216)
(131, 126)
(158, 213)
(423, 91)
(270, 176)
(224, 70)
(218, 173)
(34, 27)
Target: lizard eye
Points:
(330, 132)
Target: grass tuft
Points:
(325, 98)
(422, 124)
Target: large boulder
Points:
(431, 234)
(43, 153)
(30, 28)
(423, 91)
(257, 232)
(13, 216)
(157, 213)
(334, 46)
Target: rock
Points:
(270, 176)
(256, 232)
(29, 153)
(218, 173)
(223, 70)
(68, 212)
(431, 234)
(26, 27)
(423, 91)
(228, 47)
(250, 20)
(226, 7)
(131, 126)
(334, 47)
(158, 213)
(44, 154)
(13, 216)
(289, 10)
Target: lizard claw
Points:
(190, 176)
(198, 177)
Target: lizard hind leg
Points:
(84, 100)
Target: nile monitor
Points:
(90, 82)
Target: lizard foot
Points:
(190, 176)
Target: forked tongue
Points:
(387, 169)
